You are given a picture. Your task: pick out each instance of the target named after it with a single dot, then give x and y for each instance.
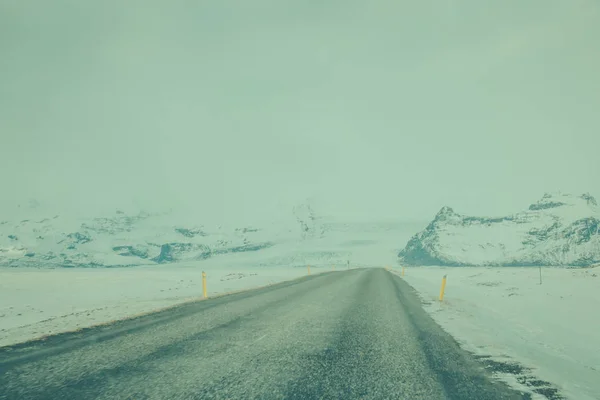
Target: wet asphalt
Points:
(358, 334)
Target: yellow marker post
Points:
(204, 292)
(403, 270)
(308, 266)
(443, 288)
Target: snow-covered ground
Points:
(40, 302)
(504, 312)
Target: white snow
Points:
(40, 302)
(552, 328)
(360, 243)
(120, 240)
(560, 229)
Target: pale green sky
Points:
(372, 108)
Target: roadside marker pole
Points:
(204, 293)
(443, 288)
(308, 266)
(403, 270)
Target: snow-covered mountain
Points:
(560, 229)
(126, 240)
(300, 237)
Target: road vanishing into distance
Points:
(357, 334)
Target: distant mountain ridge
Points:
(128, 240)
(297, 238)
(558, 230)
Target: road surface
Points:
(358, 334)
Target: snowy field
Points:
(505, 313)
(40, 302)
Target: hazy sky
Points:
(380, 108)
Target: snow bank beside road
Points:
(503, 312)
(40, 302)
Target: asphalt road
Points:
(358, 334)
